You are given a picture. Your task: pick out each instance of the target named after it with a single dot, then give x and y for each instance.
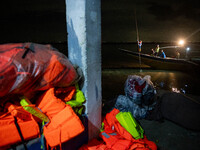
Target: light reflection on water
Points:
(114, 79)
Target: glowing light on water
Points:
(187, 48)
(175, 90)
(183, 91)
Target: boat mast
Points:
(136, 26)
(138, 38)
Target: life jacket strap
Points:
(20, 133)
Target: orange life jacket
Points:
(17, 111)
(49, 103)
(64, 123)
(9, 133)
(117, 138)
(63, 126)
(113, 125)
(53, 100)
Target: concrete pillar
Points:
(84, 50)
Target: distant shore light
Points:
(187, 48)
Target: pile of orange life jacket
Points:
(27, 68)
(115, 137)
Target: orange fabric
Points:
(115, 141)
(18, 111)
(94, 144)
(150, 144)
(65, 94)
(121, 145)
(50, 104)
(109, 139)
(29, 67)
(9, 134)
(116, 138)
(53, 70)
(112, 122)
(55, 74)
(63, 126)
(6, 84)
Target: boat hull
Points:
(156, 62)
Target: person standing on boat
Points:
(157, 50)
(177, 54)
(162, 54)
(152, 52)
(140, 45)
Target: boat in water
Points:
(156, 62)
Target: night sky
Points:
(158, 21)
(33, 21)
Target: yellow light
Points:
(181, 42)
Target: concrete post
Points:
(84, 50)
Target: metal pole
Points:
(138, 40)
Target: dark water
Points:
(113, 81)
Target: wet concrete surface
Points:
(167, 135)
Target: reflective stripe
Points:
(113, 133)
(106, 135)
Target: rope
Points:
(169, 47)
(17, 108)
(193, 33)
